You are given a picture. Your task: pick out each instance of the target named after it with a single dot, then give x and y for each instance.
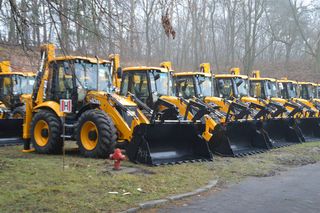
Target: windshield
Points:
(160, 82)
(205, 85)
(185, 86)
(20, 85)
(291, 90)
(225, 89)
(271, 89)
(256, 89)
(242, 86)
(307, 91)
(90, 78)
(27, 84)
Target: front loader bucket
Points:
(282, 132)
(238, 138)
(168, 143)
(310, 128)
(11, 132)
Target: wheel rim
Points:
(41, 133)
(89, 135)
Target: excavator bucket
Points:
(11, 132)
(168, 143)
(238, 138)
(310, 128)
(282, 132)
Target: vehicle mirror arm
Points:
(140, 103)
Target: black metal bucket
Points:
(239, 138)
(168, 143)
(282, 132)
(310, 128)
(11, 132)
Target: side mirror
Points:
(119, 72)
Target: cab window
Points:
(185, 87)
(256, 89)
(62, 88)
(225, 88)
(137, 84)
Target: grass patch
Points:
(38, 183)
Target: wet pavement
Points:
(293, 191)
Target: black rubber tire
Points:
(107, 134)
(55, 143)
(18, 111)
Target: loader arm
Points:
(109, 103)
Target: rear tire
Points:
(96, 134)
(46, 133)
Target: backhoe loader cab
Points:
(232, 86)
(308, 90)
(12, 86)
(265, 88)
(193, 84)
(288, 89)
(146, 83)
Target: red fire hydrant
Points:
(117, 156)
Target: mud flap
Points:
(282, 132)
(168, 143)
(238, 138)
(11, 132)
(310, 128)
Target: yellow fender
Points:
(50, 105)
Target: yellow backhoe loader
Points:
(100, 119)
(12, 86)
(147, 85)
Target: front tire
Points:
(96, 134)
(46, 133)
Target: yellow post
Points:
(5, 67)
(256, 73)
(167, 65)
(205, 68)
(235, 71)
(115, 58)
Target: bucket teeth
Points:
(184, 161)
